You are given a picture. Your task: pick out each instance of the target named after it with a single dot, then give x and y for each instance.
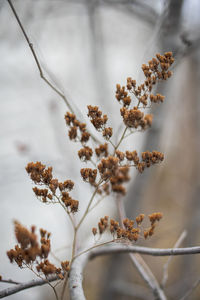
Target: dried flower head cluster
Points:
(54, 191)
(89, 175)
(85, 153)
(135, 118)
(114, 170)
(102, 150)
(111, 172)
(147, 159)
(156, 69)
(30, 252)
(99, 121)
(77, 130)
(153, 218)
(128, 231)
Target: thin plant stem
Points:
(47, 281)
(64, 286)
(72, 258)
(9, 281)
(121, 139)
(36, 58)
(95, 205)
(89, 204)
(197, 282)
(53, 87)
(70, 217)
(55, 257)
(111, 143)
(93, 247)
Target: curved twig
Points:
(10, 281)
(27, 285)
(51, 85)
(144, 250)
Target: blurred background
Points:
(85, 47)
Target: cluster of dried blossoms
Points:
(30, 253)
(54, 191)
(77, 131)
(128, 231)
(99, 121)
(157, 69)
(112, 167)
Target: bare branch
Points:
(52, 86)
(166, 265)
(27, 285)
(36, 58)
(144, 250)
(148, 276)
(76, 278)
(197, 282)
(9, 281)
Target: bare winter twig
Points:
(76, 277)
(26, 285)
(144, 250)
(165, 268)
(147, 276)
(196, 283)
(51, 85)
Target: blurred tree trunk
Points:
(168, 39)
(192, 203)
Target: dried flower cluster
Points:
(89, 175)
(77, 129)
(99, 121)
(128, 231)
(135, 118)
(157, 69)
(30, 251)
(113, 168)
(54, 191)
(155, 217)
(85, 153)
(102, 150)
